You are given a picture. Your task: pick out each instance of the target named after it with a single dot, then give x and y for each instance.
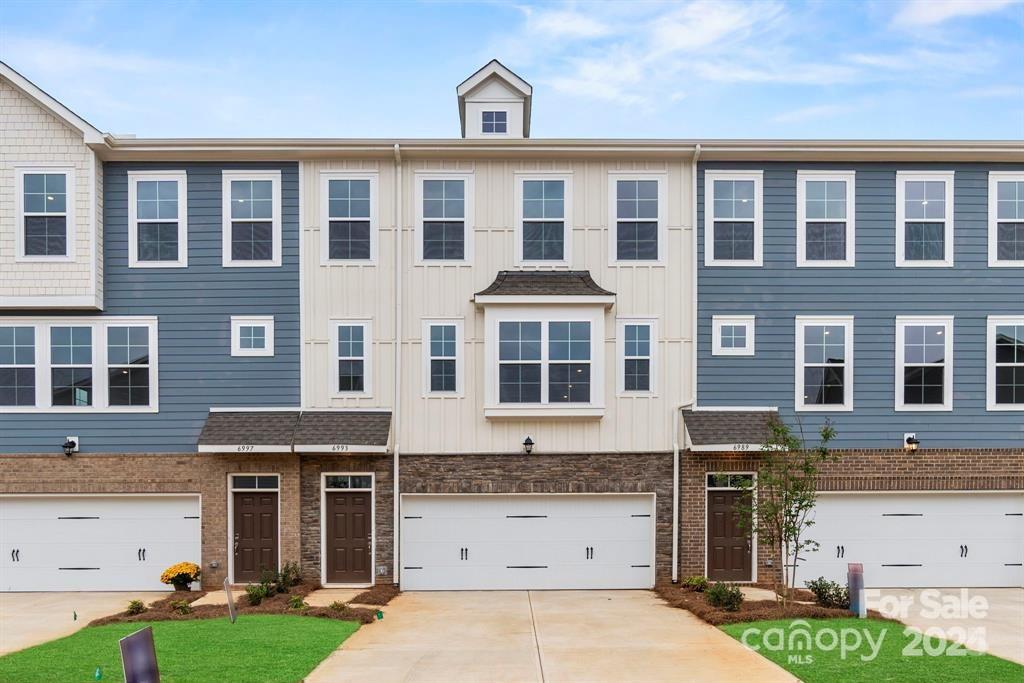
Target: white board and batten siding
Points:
(527, 541)
(919, 540)
(662, 291)
(95, 542)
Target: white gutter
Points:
(396, 408)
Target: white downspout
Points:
(396, 408)
(677, 412)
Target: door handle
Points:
(842, 549)
(967, 550)
(143, 554)
(963, 550)
(17, 554)
(138, 554)
(12, 555)
(234, 549)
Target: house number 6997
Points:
(246, 449)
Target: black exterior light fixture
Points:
(911, 442)
(70, 445)
(528, 445)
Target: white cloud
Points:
(933, 12)
(564, 24)
(814, 112)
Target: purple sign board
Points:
(138, 657)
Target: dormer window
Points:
(495, 122)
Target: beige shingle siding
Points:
(31, 134)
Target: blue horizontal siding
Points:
(194, 306)
(874, 292)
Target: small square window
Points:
(495, 122)
(252, 336)
(732, 335)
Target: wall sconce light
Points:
(910, 442)
(70, 445)
(528, 445)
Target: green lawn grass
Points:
(264, 648)
(891, 663)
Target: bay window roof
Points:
(572, 287)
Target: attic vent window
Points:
(495, 122)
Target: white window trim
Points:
(493, 316)
(325, 217)
(468, 211)
(368, 369)
(226, 222)
(620, 336)
(460, 356)
(902, 177)
(508, 122)
(710, 176)
(902, 321)
(566, 178)
(718, 321)
(240, 321)
(990, 362)
(844, 321)
(850, 178)
(661, 178)
(181, 178)
(21, 170)
(100, 378)
(995, 177)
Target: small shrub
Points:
(136, 607)
(291, 576)
(256, 592)
(725, 596)
(698, 584)
(296, 602)
(181, 606)
(829, 593)
(337, 605)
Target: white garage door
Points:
(919, 540)
(95, 543)
(512, 542)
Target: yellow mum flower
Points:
(182, 572)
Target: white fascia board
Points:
(339, 448)
(254, 449)
(726, 447)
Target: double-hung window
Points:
(444, 221)
(157, 219)
(733, 225)
(825, 218)
(46, 207)
(637, 355)
(1005, 363)
(543, 227)
(442, 344)
(924, 218)
(638, 208)
(824, 363)
(349, 217)
(251, 218)
(17, 365)
(924, 363)
(108, 364)
(352, 341)
(495, 122)
(1005, 219)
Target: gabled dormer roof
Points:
(496, 70)
(90, 134)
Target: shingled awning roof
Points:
(513, 286)
(727, 430)
(295, 431)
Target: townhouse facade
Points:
(499, 362)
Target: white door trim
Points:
(373, 526)
(753, 531)
(231, 517)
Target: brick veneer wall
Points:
(381, 466)
(569, 473)
(853, 470)
(162, 473)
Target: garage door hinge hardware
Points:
(526, 516)
(412, 567)
(1015, 514)
(191, 516)
(964, 550)
(640, 566)
(639, 515)
(410, 517)
(78, 518)
(78, 569)
(1015, 564)
(902, 565)
(526, 566)
(903, 514)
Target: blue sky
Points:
(696, 68)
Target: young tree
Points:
(781, 499)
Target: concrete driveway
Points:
(541, 636)
(986, 619)
(28, 619)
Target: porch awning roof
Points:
(727, 430)
(295, 431)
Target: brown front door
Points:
(255, 529)
(729, 546)
(348, 538)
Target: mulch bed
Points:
(381, 594)
(752, 610)
(163, 609)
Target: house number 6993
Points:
(339, 447)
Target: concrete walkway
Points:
(28, 619)
(547, 636)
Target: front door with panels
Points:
(348, 529)
(254, 500)
(730, 545)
